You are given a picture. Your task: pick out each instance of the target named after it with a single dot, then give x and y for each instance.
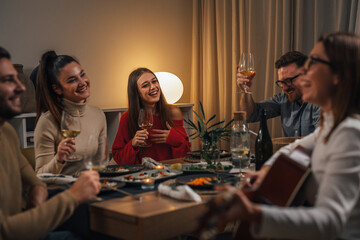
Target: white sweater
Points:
(333, 188)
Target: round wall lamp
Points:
(171, 86)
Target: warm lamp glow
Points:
(159, 167)
(171, 86)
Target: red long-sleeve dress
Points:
(176, 146)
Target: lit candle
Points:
(159, 167)
(148, 183)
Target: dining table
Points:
(119, 216)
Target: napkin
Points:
(182, 192)
(150, 163)
(50, 178)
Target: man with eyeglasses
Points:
(298, 118)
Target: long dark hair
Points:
(343, 50)
(46, 98)
(162, 107)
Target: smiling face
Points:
(149, 88)
(319, 83)
(293, 90)
(10, 90)
(75, 85)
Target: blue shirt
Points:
(294, 116)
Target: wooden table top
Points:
(155, 217)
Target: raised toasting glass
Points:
(145, 121)
(70, 128)
(246, 67)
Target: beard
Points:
(6, 111)
(294, 95)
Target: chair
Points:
(29, 154)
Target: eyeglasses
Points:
(287, 82)
(312, 60)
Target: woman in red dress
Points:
(167, 136)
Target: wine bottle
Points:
(263, 144)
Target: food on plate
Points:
(141, 176)
(202, 181)
(176, 166)
(152, 174)
(107, 184)
(115, 169)
(217, 167)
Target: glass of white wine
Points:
(145, 121)
(246, 67)
(70, 128)
(99, 159)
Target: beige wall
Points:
(109, 37)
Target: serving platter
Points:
(196, 154)
(203, 168)
(208, 180)
(118, 170)
(155, 174)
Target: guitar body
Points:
(280, 185)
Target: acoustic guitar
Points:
(281, 184)
(280, 187)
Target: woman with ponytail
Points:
(62, 85)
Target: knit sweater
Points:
(333, 188)
(176, 146)
(16, 176)
(48, 136)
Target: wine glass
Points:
(70, 128)
(246, 67)
(145, 121)
(99, 159)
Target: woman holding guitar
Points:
(332, 81)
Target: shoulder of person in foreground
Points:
(175, 112)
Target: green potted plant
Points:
(210, 135)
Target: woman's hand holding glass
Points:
(245, 72)
(145, 121)
(140, 138)
(70, 128)
(65, 148)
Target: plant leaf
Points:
(211, 119)
(202, 110)
(228, 124)
(215, 124)
(192, 124)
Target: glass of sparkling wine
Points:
(70, 128)
(246, 66)
(97, 151)
(145, 121)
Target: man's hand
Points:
(86, 187)
(244, 82)
(37, 196)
